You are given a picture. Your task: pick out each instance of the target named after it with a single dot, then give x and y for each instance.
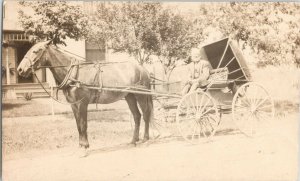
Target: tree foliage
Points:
(129, 27)
(271, 30)
(143, 29)
(102, 24)
(174, 39)
(54, 20)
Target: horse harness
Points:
(71, 79)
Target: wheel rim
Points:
(197, 117)
(252, 109)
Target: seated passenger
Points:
(199, 71)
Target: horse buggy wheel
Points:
(197, 117)
(252, 109)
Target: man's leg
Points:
(186, 89)
(194, 87)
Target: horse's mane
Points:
(61, 56)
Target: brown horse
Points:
(102, 75)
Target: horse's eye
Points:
(34, 51)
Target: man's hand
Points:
(194, 81)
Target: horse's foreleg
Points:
(132, 103)
(80, 113)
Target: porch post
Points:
(7, 67)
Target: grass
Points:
(283, 83)
(43, 133)
(21, 107)
(43, 106)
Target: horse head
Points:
(32, 59)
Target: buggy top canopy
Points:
(224, 53)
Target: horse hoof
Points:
(132, 144)
(82, 152)
(145, 140)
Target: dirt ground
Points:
(45, 148)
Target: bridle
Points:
(61, 86)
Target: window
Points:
(95, 52)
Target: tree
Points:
(174, 40)
(102, 24)
(54, 20)
(129, 27)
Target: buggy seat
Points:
(218, 78)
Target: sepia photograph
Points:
(150, 90)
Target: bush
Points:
(28, 96)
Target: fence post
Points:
(52, 104)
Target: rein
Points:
(69, 103)
(84, 63)
(59, 87)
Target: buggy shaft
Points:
(132, 91)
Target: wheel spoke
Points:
(265, 115)
(244, 101)
(261, 121)
(193, 104)
(197, 102)
(193, 132)
(202, 109)
(248, 116)
(247, 102)
(209, 123)
(202, 97)
(262, 95)
(207, 111)
(215, 118)
(265, 106)
(254, 95)
(205, 127)
(203, 132)
(250, 97)
(261, 102)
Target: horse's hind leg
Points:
(132, 103)
(146, 105)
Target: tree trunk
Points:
(167, 76)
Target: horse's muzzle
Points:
(23, 72)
